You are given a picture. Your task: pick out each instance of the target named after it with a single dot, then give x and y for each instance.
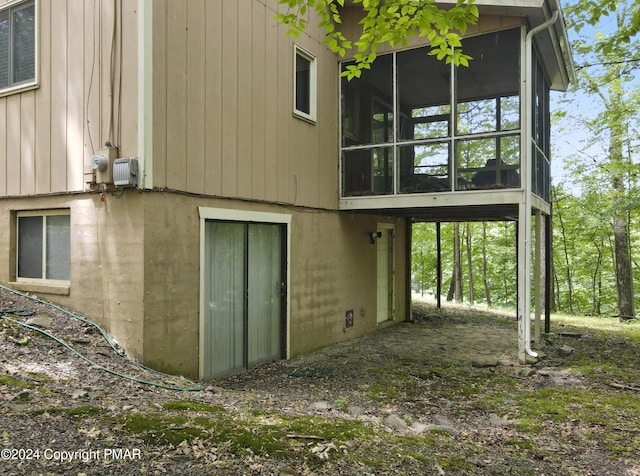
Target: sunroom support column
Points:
(524, 282)
(548, 263)
(438, 266)
(537, 275)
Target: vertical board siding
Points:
(27, 141)
(43, 106)
(177, 97)
(75, 95)
(259, 94)
(57, 77)
(48, 134)
(271, 106)
(195, 95)
(229, 171)
(3, 149)
(213, 119)
(242, 138)
(245, 97)
(14, 178)
(282, 116)
(160, 116)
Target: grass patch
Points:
(186, 405)
(280, 437)
(604, 413)
(162, 429)
(15, 382)
(456, 463)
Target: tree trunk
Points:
(455, 288)
(485, 280)
(620, 222)
(596, 280)
(566, 258)
(624, 272)
(467, 228)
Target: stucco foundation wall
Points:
(172, 282)
(135, 269)
(106, 260)
(332, 270)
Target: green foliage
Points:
(583, 13)
(384, 21)
(598, 231)
(501, 273)
(583, 260)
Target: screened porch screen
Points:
(413, 124)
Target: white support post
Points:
(537, 275)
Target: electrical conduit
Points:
(194, 388)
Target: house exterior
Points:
(210, 191)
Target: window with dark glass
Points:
(44, 249)
(487, 150)
(304, 90)
(368, 129)
(18, 45)
(541, 131)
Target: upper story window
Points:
(304, 84)
(44, 246)
(17, 45)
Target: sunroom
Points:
(429, 141)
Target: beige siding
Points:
(223, 123)
(43, 98)
(213, 119)
(195, 92)
(3, 149)
(14, 178)
(49, 133)
(485, 24)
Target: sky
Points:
(569, 137)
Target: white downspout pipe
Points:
(524, 240)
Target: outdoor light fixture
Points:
(374, 235)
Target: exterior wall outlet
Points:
(348, 322)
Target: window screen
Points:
(44, 246)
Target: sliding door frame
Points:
(242, 216)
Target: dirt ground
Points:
(442, 395)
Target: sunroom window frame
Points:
(453, 138)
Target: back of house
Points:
(209, 190)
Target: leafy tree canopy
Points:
(385, 21)
(581, 13)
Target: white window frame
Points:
(311, 115)
(28, 84)
(43, 214)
